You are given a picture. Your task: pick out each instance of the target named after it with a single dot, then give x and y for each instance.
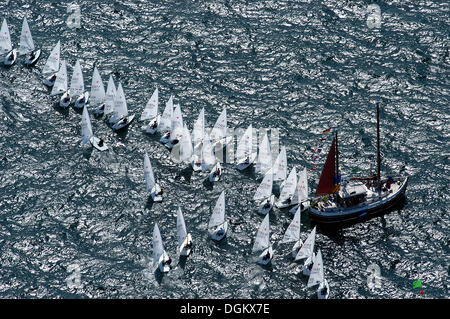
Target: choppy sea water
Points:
(300, 66)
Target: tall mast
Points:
(378, 146)
(336, 174)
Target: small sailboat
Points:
(176, 129)
(150, 183)
(165, 123)
(121, 110)
(244, 154)
(217, 225)
(185, 145)
(356, 198)
(198, 133)
(264, 193)
(151, 113)
(208, 159)
(88, 135)
(216, 172)
(160, 256)
(6, 46)
(219, 134)
(108, 106)
(184, 238)
(264, 162)
(77, 87)
(280, 166)
(292, 234)
(262, 242)
(26, 45)
(288, 190)
(307, 251)
(300, 197)
(60, 86)
(316, 277)
(51, 67)
(97, 96)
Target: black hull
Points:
(355, 217)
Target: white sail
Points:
(219, 130)
(176, 129)
(86, 127)
(293, 231)
(148, 174)
(181, 227)
(26, 41)
(290, 185)
(262, 236)
(199, 127)
(52, 64)
(218, 214)
(244, 147)
(316, 276)
(97, 96)
(110, 96)
(186, 145)
(302, 187)
(60, 85)
(280, 166)
(264, 156)
(151, 108)
(77, 82)
(207, 155)
(265, 188)
(158, 247)
(166, 118)
(5, 39)
(307, 248)
(120, 103)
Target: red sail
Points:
(326, 182)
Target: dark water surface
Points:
(300, 66)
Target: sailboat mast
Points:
(336, 174)
(378, 145)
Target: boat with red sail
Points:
(354, 199)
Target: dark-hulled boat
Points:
(355, 198)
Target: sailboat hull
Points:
(262, 259)
(335, 215)
(7, 61)
(122, 124)
(31, 62)
(320, 294)
(218, 237)
(152, 127)
(215, 177)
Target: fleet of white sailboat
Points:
(197, 148)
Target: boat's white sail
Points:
(302, 187)
(198, 131)
(26, 41)
(264, 162)
(262, 236)
(176, 129)
(52, 64)
(186, 145)
(316, 276)
(86, 127)
(207, 154)
(280, 166)
(265, 188)
(60, 85)
(5, 38)
(148, 174)
(308, 246)
(110, 96)
(120, 104)
(290, 186)
(181, 227)
(219, 131)
(158, 247)
(77, 82)
(97, 96)
(292, 233)
(218, 214)
(244, 148)
(165, 123)
(151, 108)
